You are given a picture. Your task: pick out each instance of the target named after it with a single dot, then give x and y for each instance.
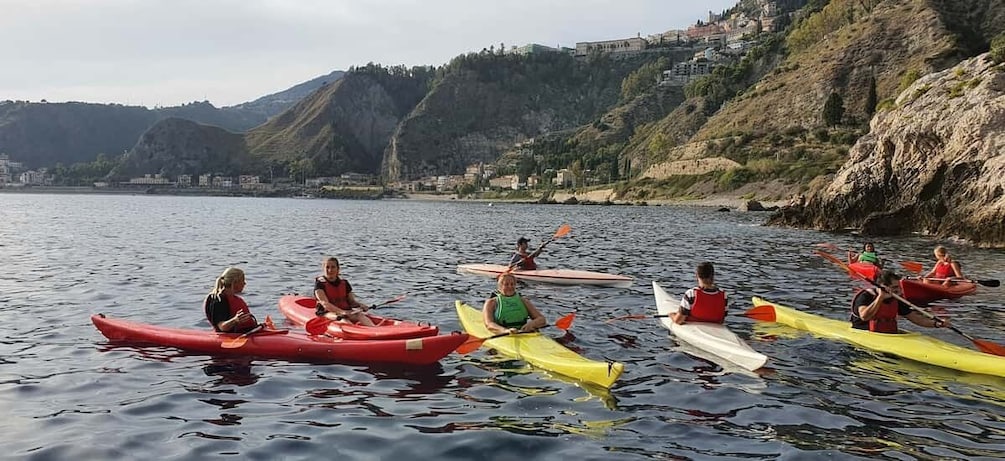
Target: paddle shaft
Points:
(988, 282)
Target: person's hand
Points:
(513, 331)
(241, 317)
(940, 322)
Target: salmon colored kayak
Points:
(283, 344)
(555, 276)
(300, 309)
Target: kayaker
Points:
(521, 260)
(226, 311)
(508, 311)
(868, 255)
(336, 300)
(705, 302)
(877, 310)
(945, 267)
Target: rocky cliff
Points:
(343, 127)
(935, 163)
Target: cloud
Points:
(167, 52)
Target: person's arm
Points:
(957, 270)
(868, 311)
(680, 316)
(537, 320)
(354, 303)
(488, 317)
(516, 261)
(852, 257)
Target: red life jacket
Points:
(708, 307)
(337, 293)
(237, 305)
(885, 320)
(944, 270)
(527, 263)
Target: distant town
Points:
(717, 41)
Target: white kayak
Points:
(713, 338)
(556, 276)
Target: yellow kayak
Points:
(909, 345)
(541, 351)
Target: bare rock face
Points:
(935, 164)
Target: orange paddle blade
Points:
(562, 231)
(470, 345)
(912, 266)
(763, 312)
(234, 343)
(565, 322)
(317, 325)
(989, 347)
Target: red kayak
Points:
(920, 292)
(284, 344)
(869, 270)
(300, 309)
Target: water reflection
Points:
(231, 371)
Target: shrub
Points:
(998, 49)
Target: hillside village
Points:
(715, 41)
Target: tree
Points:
(833, 109)
(871, 99)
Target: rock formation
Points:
(934, 164)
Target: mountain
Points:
(177, 146)
(268, 106)
(342, 127)
(44, 134)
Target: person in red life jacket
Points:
(521, 260)
(335, 297)
(704, 303)
(508, 311)
(945, 267)
(226, 311)
(877, 310)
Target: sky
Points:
(170, 52)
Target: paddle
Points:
(474, 343)
(756, 315)
(985, 346)
(916, 267)
(318, 325)
(562, 231)
(242, 339)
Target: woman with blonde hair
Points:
(226, 311)
(945, 267)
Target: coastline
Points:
(602, 196)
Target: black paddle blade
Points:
(990, 283)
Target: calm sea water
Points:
(67, 393)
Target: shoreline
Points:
(714, 201)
